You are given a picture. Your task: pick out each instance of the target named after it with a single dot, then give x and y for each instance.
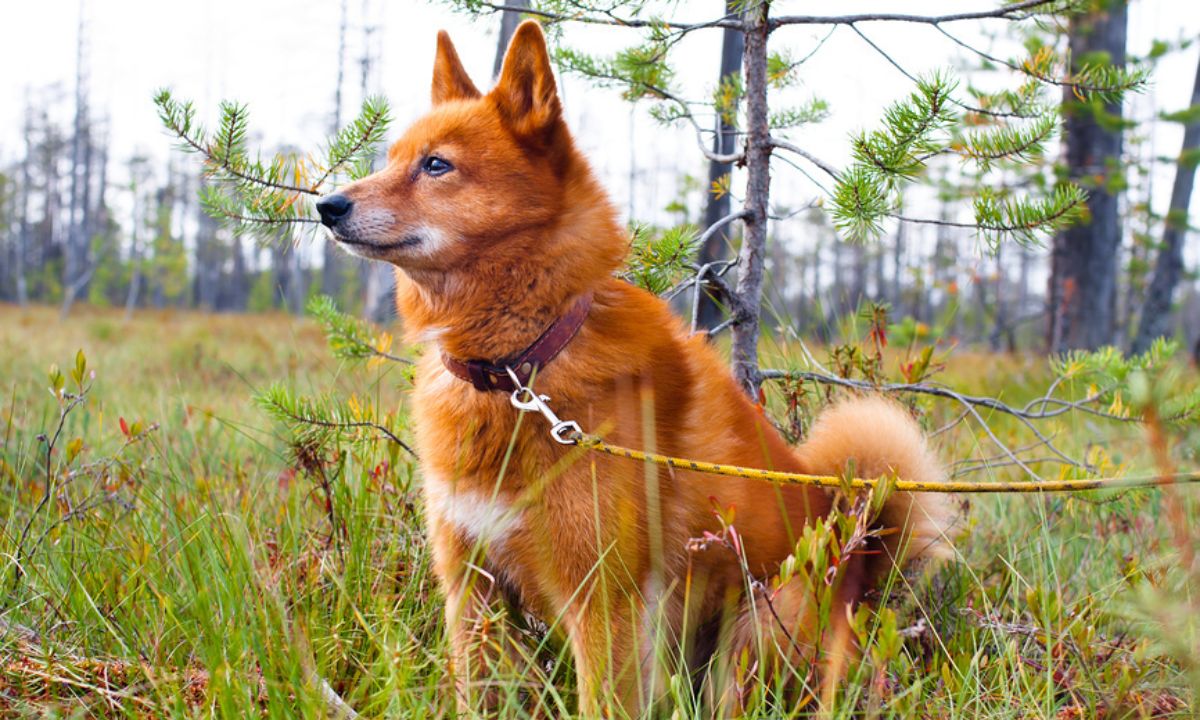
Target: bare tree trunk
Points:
(74, 265)
(135, 260)
(758, 188)
(898, 250)
(858, 255)
(1001, 324)
(877, 272)
(50, 240)
(1083, 279)
(509, 19)
(208, 261)
(332, 260)
(818, 308)
(23, 230)
(837, 287)
(733, 45)
(1168, 268)
(239, 278)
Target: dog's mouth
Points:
(408, 241)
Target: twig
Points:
(970, 403)
(347, 425)
(73, 401)
(730, 21)
(1007, 12)
(784, 145)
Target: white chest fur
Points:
(480, 516)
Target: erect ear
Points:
(526, 94)
(450, 79)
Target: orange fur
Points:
(493, 251)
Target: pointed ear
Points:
(526, 93)
(450, 79)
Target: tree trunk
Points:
(717, 246)
(332, 260)
(239, 281)
(208, 261)
(509, 19)
(26, 190)
(898, 250)
(1000, 327)
(135, 260)
(1168, 268)
(758, 188)
(1083, 279)
(74, 266)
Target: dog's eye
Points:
(434, 166)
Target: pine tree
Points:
(937, 120)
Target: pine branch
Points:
(349, 337)
(357, 141)
(658, 258)
(178, 118)
(313, 421)
(266, 198)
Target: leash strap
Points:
(568, 432)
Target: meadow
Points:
(178, 554)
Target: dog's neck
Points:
(496, 305)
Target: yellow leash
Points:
(591, 442)
(568, 432)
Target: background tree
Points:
(933, 121)
(1168, 269)
(720, 164)
(1083, 274)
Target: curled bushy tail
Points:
(879, 438)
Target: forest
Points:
(210, 498)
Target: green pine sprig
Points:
(659, 259)
(269, 198)
(349, 337)
(313, 422)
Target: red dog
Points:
(506, 247)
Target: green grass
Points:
(200, 568)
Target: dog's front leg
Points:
(603, 642)
(489, 668)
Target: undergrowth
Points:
(169, 550)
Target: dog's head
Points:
(477, 170)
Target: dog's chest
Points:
(476, 515)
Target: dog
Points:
(506, 248)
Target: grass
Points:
(189, 563)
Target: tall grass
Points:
(194, 565)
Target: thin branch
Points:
(730, 21)
(970, 403)
(1015, 11)
(346, 425)
(892, 61)
(784, 145)
(944, 392)
(1078, 88)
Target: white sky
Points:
(280, 57)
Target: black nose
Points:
(333, 208)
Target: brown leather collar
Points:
(492, 376)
